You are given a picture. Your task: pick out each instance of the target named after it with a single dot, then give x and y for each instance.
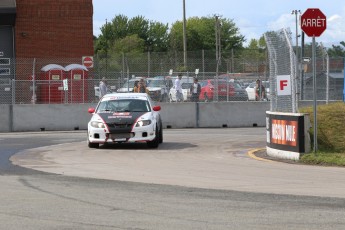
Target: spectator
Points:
(102, 87)
(195, 90)
(178, 88)
(142, 87)
(260, 92)
(136, 87)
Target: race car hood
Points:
(122, 122)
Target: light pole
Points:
(106, 48)
(218, 43)
(184, 36)
(296, 12)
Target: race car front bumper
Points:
(137, 134)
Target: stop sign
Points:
(313, 22)
(87, 61)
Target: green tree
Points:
(337, 50)
(201, 34)
(157, 37)
(128, 44)
(154, 34)
(254, 55)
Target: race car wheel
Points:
(155, 142)
(92, 145)
(161, 134)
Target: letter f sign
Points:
(283, 83)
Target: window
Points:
(5, 61)
(5, 71)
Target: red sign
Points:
(87, 61)
(313, 22)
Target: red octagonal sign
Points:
(313, 22)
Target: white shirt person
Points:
(102, 88)
(178, 88)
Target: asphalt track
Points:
(201, 158)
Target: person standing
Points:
(136, 87)
(178, 88)
(195, 90)
(102, 87)
(260, 93)
(142, 87)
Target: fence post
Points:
(344, 81)
(12, 104)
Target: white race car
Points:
(125, 117)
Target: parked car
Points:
(186, 83)
(125, 117)
(251, 90)
(240, 93)
(159, 88)
(129, 85)
(225, 91)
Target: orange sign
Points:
(284, 132)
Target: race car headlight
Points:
(143, 123)
(97, 124)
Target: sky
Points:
(253, 18)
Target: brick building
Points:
(46, 29)
(35, 33)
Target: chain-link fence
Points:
(329, 76)
(30, 81)
(283, 61)
(68, 90)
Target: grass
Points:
(324, 158)
(330, 135)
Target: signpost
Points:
(313, 24)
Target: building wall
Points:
(59, 28)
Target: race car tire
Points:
(161, 135)
(92, 145)
(155, 142)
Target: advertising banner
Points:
(286, 132)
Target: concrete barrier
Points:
(50, 117)
(5, 118)
(62, 117)
(232, 114)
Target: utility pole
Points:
(106, 48)
(218, 55)
(218, 43)
(184, 36)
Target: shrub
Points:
(330, 126)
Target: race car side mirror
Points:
(156, 108)
(91, 110)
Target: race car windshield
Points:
(124, 105)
